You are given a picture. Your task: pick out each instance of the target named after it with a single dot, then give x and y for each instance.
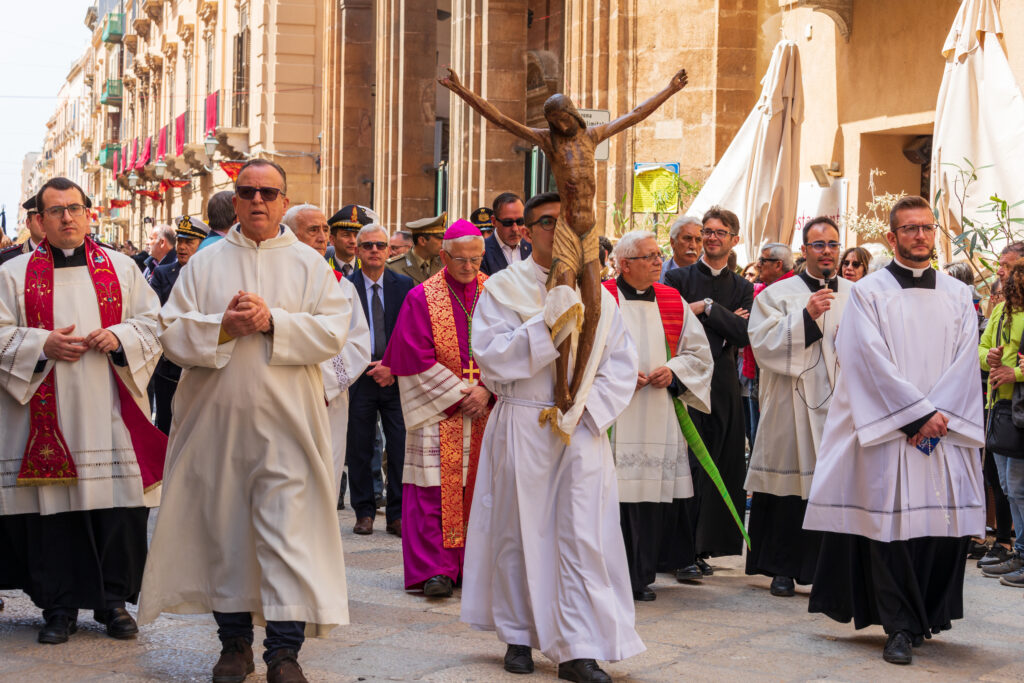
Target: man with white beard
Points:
(792, 332)
(545, 563)
(898, 485)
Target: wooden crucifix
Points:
(569, 146)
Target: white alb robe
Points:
(340, 372)
(651, 458)
(795, 386)
(904, 353)
(248, 521)
(545, 562)
(88, 407)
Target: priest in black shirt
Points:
(721, 299)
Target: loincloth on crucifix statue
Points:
(571, 252)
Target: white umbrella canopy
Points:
(979, 117)
(758, 177)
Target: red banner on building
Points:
(119, 203)
(135, 153)
(161, 144)
(151, 194)
(232, 168)
(144, 156)
(179, 135)
(212, 109)
(166, 185)
(117, 163)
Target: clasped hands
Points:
(999, 374)
(61, 345)
(475, 400)
(659, 378)
(247, 313)
(935, 427)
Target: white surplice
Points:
(88, 407)
(651, 457)
(545, 561)
(340, 372)
(795, 385)
(425, 396)
(904, 353)
(248, 520)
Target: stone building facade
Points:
(344, 94)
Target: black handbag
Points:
(1004, 434)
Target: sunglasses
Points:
(370, 246)
(509, 222)
(852, 264)
(248, 192)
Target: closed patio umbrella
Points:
(758, 176)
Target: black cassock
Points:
(715, 532)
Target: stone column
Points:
(489, 54)
(405, 112)
(347, 145)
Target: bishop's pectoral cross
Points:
(472, 373)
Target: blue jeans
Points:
(1011, 479)
(281, 635)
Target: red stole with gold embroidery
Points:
(670, 307)
(455, 501)
(47, 458)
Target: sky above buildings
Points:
(41, 40)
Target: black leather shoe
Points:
(705, 568)
(783, 587)
(438, 587)
(119, 623)
(582, 671)
(58, 629)
(897, 649)
(519, 659)
(645, 594)
(691, 573)
(976, 550)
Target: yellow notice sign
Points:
(655, 188)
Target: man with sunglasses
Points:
(445, 407)
(424, 259)
(248, 525)
(375, 395)
(33, 224)
(792, 334)
(721, 300)
(898, 488)
(82, 463)
(506, 245)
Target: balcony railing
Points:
(112, 93)
(113, 30)
(107, 155)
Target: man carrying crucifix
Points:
(445, 409)
(569, 146)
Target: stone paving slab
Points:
(724, 628)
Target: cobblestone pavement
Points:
(728, 628)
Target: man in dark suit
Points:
(381, 293)
(190, 233)
(161, 250)
(506, 245)
(721, 300)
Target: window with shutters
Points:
(240, 96)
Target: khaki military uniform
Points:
(409, 263)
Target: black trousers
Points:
(367, 401)
(676, 549)
(641, 531)
(779, 545)
(915, 586)
(163, 392)
(281, 635)
(89, 559)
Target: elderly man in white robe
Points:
(792, 332)
(81, 462)
(310, 226)
(545, 562)
(651, 458)
(248, 527)
(898, 485)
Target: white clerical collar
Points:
(918, 272)
(68, 253)
(714, 271)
